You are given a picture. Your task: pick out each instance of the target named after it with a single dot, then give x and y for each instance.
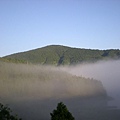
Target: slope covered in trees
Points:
(61, 55)
(27, 79)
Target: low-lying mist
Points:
(108, 72)
(35, 81)
(33, 91)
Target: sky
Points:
(31, 24)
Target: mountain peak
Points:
(63, 55)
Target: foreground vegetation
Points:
(61, 113)
(6, 113)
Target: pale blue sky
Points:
(30, 24)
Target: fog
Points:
(106, 71)
(33, 91)
(36, 81)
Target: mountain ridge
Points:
(63, 55)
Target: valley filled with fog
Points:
(33, 91)
(108, 72)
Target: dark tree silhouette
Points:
(5, 113)
(61, 113)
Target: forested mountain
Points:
(13, 60)
(29, 87)
(61, 55)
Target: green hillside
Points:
(61, 55)
(12, 60)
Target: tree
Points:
(5, 113)
(61, 113)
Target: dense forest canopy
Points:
(62, 55)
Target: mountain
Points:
(62, 55)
